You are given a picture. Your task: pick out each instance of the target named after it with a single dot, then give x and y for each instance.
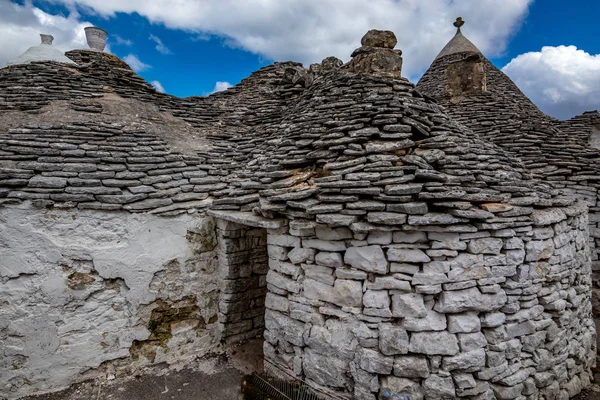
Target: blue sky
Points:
(189, 46)
(554, 23)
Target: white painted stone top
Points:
(42, 52)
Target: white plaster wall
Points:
(78, 287)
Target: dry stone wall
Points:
(243, 266)
(558, 152)
(491, 313)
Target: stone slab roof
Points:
(336, 144)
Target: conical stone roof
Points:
(350, 145)
(459, 43)
(498, 111)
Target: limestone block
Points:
(438, 387)
(277, 303)
(386, 218)
(368, 258)
(344, 293)
(375, 362)
(402, 385)
(547, 216)
(515, 257)
(328, 259)
(282, 282)
(506, 393)
(471, 361)
(283, 240)
(291, 330)
(348, 273)
(379, 237)
(323, 245)
(469, 300)
(539, 250)
(464, 323)
(388, 283)
(434, 343)
(464, 381)
(423, 278)
(407, 255)
(324, 232)
(376, 299)
(486, 245)
(300, 255)
(411, 367)
(514, 243)
(541, 233)
(433, 321)
(409, 237)
(392, 339)
(492, 320)
(379, 38)
(324, 370)
(408, 305)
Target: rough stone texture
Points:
(243, 267)
(563, 153)
(478, 269)
(485, 333)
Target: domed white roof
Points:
(42, 52)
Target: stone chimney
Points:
(377, 56)
(47, 39)
(96, 38)
(466, 75)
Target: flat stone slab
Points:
(247, 218)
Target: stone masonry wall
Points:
(87, 293)
(242, 270)
(486, 313)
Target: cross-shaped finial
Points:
(458, 23)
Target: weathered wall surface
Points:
(83, 291)
(441, 312)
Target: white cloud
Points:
(121, 41)
(158, 86)
(22, 24)
(135, 63)
(160, 47)
(562, 81)
(309, 31)
(220, 86)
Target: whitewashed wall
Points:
(84, 292)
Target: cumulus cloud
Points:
(135, 63)
(121, 41)
(160, 47)
(220, 86)
(158, 86)
(562, 81)
(309, 31)
(22, 24)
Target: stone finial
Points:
(458, 23)
(377, 56)
(46, 39)
(377, 38)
